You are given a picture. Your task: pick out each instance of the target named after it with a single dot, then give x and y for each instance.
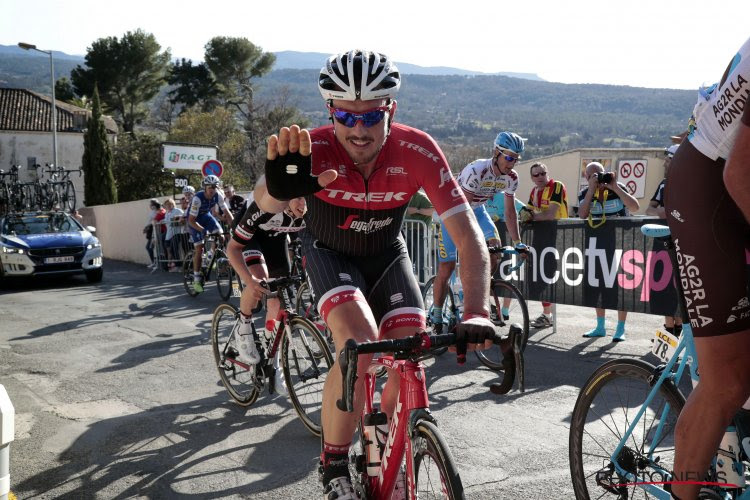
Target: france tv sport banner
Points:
(613, 266)
(186, 156)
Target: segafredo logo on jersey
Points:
(416, 147)
(375, 197)
(365, 227)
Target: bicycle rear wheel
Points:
(306, 360)
(450, 311)
(518, 313)
(224, 275)
(605, 409)
(238, 380)
(187, 275)
(69, 196)
(435, 471)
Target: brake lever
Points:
(348, 364)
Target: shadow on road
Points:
(154, 453)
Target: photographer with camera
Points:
(604, 197)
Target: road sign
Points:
(632, 175)
(180, 182)
(212, 167)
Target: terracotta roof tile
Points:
(24, 110)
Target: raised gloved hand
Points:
(288, 166)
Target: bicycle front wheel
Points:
(224, 275)
(306, 360)
(435, 471)
(238, 380)
(187, 275)
(604, 411)
(517, 313)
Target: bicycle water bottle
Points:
(375, 432)
(729, 469)
(458, 293)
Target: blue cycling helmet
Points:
(509, 141)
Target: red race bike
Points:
(411, 447)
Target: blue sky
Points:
(655, 43)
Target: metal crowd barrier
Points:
(421, 243)
(173, 251)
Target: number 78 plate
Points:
(665, 345)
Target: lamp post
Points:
(28, 46)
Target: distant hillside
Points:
(462, 111)
(553, 116)
(314, 60)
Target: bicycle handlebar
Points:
(508, 250)
(418, 344)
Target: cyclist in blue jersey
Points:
(201, 220)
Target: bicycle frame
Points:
(687, 347)
(412, 397)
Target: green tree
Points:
(234, 62)
(138, 168)
(64, 90)
(194, 86)
(128, 72)
(219, 128)
(97, 160)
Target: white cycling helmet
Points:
(188, 189)
(211, 180)
(671, 150)
(359, 74)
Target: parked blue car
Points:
(48, 243)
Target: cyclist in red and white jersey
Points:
(358, 175)
(705, 198)
(480, 181)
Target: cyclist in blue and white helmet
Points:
(201, 221)
(480, 181)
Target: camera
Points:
(604, 177)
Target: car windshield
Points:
(40, 224)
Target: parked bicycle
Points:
(411, 446)
(305, 357)
(622, 428)
(499, 291)
(59, 190)
(214, 263)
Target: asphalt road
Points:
(116, 396)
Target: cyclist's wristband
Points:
(468, 316)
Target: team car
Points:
(49, 243)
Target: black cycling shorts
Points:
(711, 236)
(386, 282)
(273, 250)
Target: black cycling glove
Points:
(472, 331)
(289, 176)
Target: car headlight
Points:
(96, 244)
(12, 250)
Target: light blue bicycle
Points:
(622, 429)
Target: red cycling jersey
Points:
(362, 217)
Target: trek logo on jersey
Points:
(376, 197)
(395, 171)
(365, 227)
(445, 176)
(420, 150)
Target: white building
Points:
(26, 134)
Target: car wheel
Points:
(95, 275)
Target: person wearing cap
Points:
(656, 205)
(673, 324)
